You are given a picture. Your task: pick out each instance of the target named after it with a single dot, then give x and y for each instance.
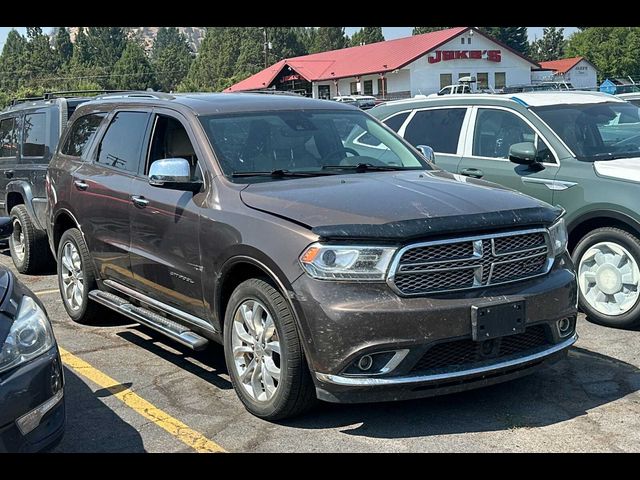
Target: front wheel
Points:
(264, 354)
(607, 261)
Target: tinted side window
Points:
(121, 145)
(8, 137)
(439, 129)
(81, 134)
(496, 130)
(395, 122)
(33, 135)
(170, 140)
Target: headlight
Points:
(345, 262)
(29, 337)
(558, 236)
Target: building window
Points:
(445, 79)
(483, 81)
(368, 87)
(354, 88)
(382, 87)
(462, 40)
(460, 75)
(500, 80)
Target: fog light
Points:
(564, 326)
(31, 420)
(365, 363)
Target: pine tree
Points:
(41, 61)
(329, 38)
(64, 47)
(366, 35)
(133, 70)
(550, 46)
(286, 42)
(514, 37)
(171, 58)
(421, 30)
(13, 61)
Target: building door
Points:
(324, 92)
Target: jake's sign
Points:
(445, 55)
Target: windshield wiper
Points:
(364, 167)
(278, 174)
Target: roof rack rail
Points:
(271, 92)
(137, 94)
(63, 94)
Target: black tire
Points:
(630, 318)
(36, 256)
(88, 312)
(295, 391)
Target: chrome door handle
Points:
(81, 185)
(472, 172)
(139, 201)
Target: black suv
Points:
(29, 132)
(326, 267)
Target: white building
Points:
(401, 68)
(578, 71)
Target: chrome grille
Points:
(471, 262)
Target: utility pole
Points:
(267, 46)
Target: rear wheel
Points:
(264, 354)
(608, 265)
(76, 278)
(28, 245)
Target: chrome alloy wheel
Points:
(17, 238)
(609, 278)
(256, 350)
(72, 277)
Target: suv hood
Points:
(400, 205)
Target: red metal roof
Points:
(350, 62)
(561, 66)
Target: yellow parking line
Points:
(47, 292)
(175, 427)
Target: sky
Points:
(389, 32)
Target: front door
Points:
(165, 248)
(491, 133)
(101, 192)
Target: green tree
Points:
(13, 61)
(550, 46)
(613, 50)
(514, 37)
(421, 30)
(286, 42)
(171, 58)
(329, 38)
(104, 47)
(366, 35)
(307, 36)
(41, 61)
(64, 47)
(133, 70)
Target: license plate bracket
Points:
(497, 320)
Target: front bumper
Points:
(341, 322)
(25, 389)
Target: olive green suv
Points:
(579, 150)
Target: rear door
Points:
(101, 192)
(440, 128)
(9, 138)
(491, 132)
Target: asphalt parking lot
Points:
(140, 392)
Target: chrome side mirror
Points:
(172, 173)
(427, 152)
